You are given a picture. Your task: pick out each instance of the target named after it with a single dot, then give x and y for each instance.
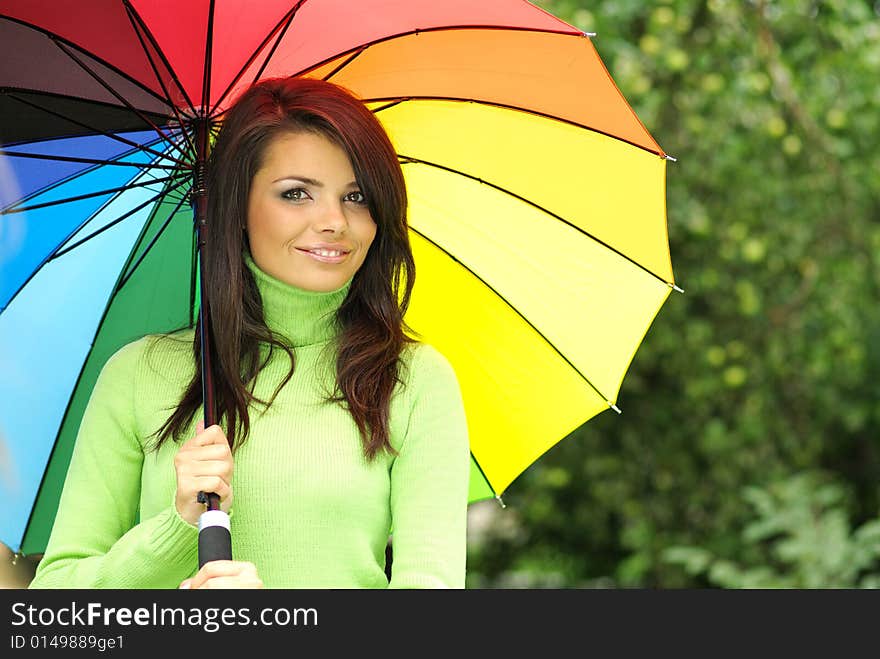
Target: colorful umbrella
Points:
(537, 203)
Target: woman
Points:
(342, 428)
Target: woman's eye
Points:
(296, 194)
(358, 197)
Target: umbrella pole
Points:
(200, 214)
(215, 542)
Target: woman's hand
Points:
(224, 574)
(203, 464)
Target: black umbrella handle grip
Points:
(215, 540)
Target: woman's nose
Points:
(332, 216)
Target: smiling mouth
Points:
(326, 255)
(327, 252)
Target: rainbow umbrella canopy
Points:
(537, 204)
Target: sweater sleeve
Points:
(95, 542)
(429, 480)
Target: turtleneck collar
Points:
(304, 317)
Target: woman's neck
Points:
(304, 317)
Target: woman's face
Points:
(308, 223)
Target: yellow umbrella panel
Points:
(542, 259)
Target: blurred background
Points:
(748, 451)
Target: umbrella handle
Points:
(215, 540)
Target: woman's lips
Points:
(325, 259)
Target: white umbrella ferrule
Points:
(214, 518)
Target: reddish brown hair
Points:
(371, 316)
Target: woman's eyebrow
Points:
(309, 181)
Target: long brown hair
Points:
(370, 318)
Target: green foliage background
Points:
(748, 451)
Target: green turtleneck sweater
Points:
(308, 509)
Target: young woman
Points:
(336, 428)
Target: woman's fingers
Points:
(207, 452)
(213, 484)
(229, 583)
(205, 468)
(225, 574)
(191, 483)
(213, 435)
(192, 453)
(203, 464)
(212, 467)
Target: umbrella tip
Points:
(588, 34)
(676, 288)
(500, 500)
(668, 157)
(613, 407)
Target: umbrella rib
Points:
(206, 71)
(110, 89)
(177, 197)
(147, 249)
(408, 159)
(286, 21)
(119, 219)
(99, 193)
(88, 161)
(133, 12)
(135, 24)
(177, 143)
(194, 263)
(389, 105)
(177, 139)
(352, 58)
(98, 131)
(443, 28)
(397, 100)
(517, 312)
(485, 478)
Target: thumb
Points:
(185, 584)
